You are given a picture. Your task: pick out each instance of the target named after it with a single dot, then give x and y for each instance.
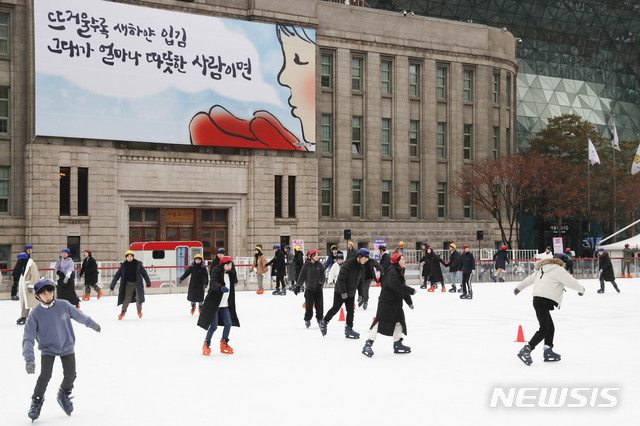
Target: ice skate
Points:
(501, 279)
(460, 290)
(452, 289)
(550, 355)
(493, 277)
(21, 320)
(444, 289)
(283, 292)
(34, 410)
(601, 290)
(139, 314)
(260, 291)
(350, 334)
(86, 298)
(463, 296)
(65, 401)
(423, 285)
(323, 327)
(15, 298)
(616, 287)
(525, 354)
(629, 276)
(276, 292)
(307, 324)
(365, 305)
(470, 295)
(121, 315)
(399, 348)
(100, 295)
(224, 347)
(193, 309)
(206, 348)
(366, 350)
(360, 301)
(431, 289)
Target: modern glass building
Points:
(574, 57)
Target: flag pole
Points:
(615, 208)
(589, 191)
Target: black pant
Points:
(14, 289)
(46, 367)
(363, 290)
(337, 304)
(466, 284)
(280, 280)
(613, 283)
(543, 307)
(312, 297)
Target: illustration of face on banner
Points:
(112, 71)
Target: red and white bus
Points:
(165, 261)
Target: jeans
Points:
(454, 275)
(226, 319)
(46, 367)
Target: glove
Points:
(410, 306)
(516, 291)
(65, 280)
(296, 289)
(30, 289)
(580, 293)
(344, 295)
(98, 328)
(179, 281)
(224, 289)
(112, 287)
(600, 271)
(149, 285)
(31, 367)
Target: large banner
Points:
(106, 70)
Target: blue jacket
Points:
(53, 330)
(468, 262)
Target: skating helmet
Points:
(340, 256)
(197, 256)
(626, 245)
(65, 250)
(504, 247)
(221, 251)
(395, 258)
(276, 247)
(226, 259)
(567, 249)
(23, 255)
(452, 245)
(297, 248)
(464, 246)
(42, 284)
(129, 252)
(28, 246)
(401, 243)
(382, 247)
(363, 252)
(312, 252)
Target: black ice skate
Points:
(366, 350)
(21, 321)
(365, 305)
(323, 327)
(463, 296)
(550, 355)
(616, 287)
(470, 295)
(452, 289)
(460, 290)
(360, 301)
(276, 292)
(307, 323)
(350, 334)
(501, 279)
(601, 290)
(283, 292)
(34, 410)
(399, 348)
(525, 354)
(424, 285)
(65, 401)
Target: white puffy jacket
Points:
(550, 279)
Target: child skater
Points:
(219, 307)
(312, 278)
(390, 316)
(50, 324)
(549, 280)
(198, 282)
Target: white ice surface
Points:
(150, 371)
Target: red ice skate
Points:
(206, 348)
(224, 347)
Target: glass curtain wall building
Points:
(574, 57)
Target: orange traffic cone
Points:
(342, 318)
(520, 335)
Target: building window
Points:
(414, 199)
(4, 109)
(496, 142)
(441, 140)
(356, 135)
(73, 244)
(467, 85)
(508, 140)
(495, 88)
(356, 198)
(356, 74)
(292, 196)
(327, 133)
(386, 198)
(414, 138)
(442, 200)
(468, 209)
(386, 136)
(5, 258)
(327, 197)
(277, 196)
(441, 83)
(65, 191)
(326, 70)
(508, 89)
(414, 80)
(83, 191)
(4, 33)
(5, 185)
(467, 139)
(385, 76)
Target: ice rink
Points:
(150, 371)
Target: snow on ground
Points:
(151, 371)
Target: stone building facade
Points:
(410, 138)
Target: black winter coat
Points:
(468, 262)
(434, 261)
(350, 277)
(370, 269)
(198, 282)
(298, 261)
(501, 258)
(279, 264)
(141, 274)
(212, 301)
(311, 276)
(18, 270)
(89, 270)
(455, 263)
(385, 262)
(352, 252)
(604, 264)
(394, 291)
(425, 266)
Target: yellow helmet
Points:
(401, 243)
(452, 245)
(258, 248)
(350, 243)
(197, 256)
(129, 252)
(297, 248)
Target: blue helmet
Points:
(363, 252)
(44, 282)
(561, 256)
(221, 250)
(23, 255)
(382, 247)
(275, 246)
(340, 255)
(28, 246)
(65, 250)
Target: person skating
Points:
(501, 259)
(350, 276)
(197, 283)
(278, 268)
(627, 257)
(331, 257)
(455, 267)
(424, 268)
(389, 319)
(64, 268)
(27, 279)
(259, 265)
(312, 278)
(468, 269)
(298, 262)
(50, 324)
(400, 248)
(351, 251)
(606, 270)
(219, 306)
(130, 274)
(220, 253)
(435, 272)
(569, 263)
(549, 281)
(370, 268)
(18, 270)
(335, 269)
(546, 254)
(90, 271)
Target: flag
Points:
(615, 142)
(593, 154)
(635, 166)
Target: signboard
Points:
(106, 70)
(299, 243)
(179, 216)
(377, 242)
(558, 245)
